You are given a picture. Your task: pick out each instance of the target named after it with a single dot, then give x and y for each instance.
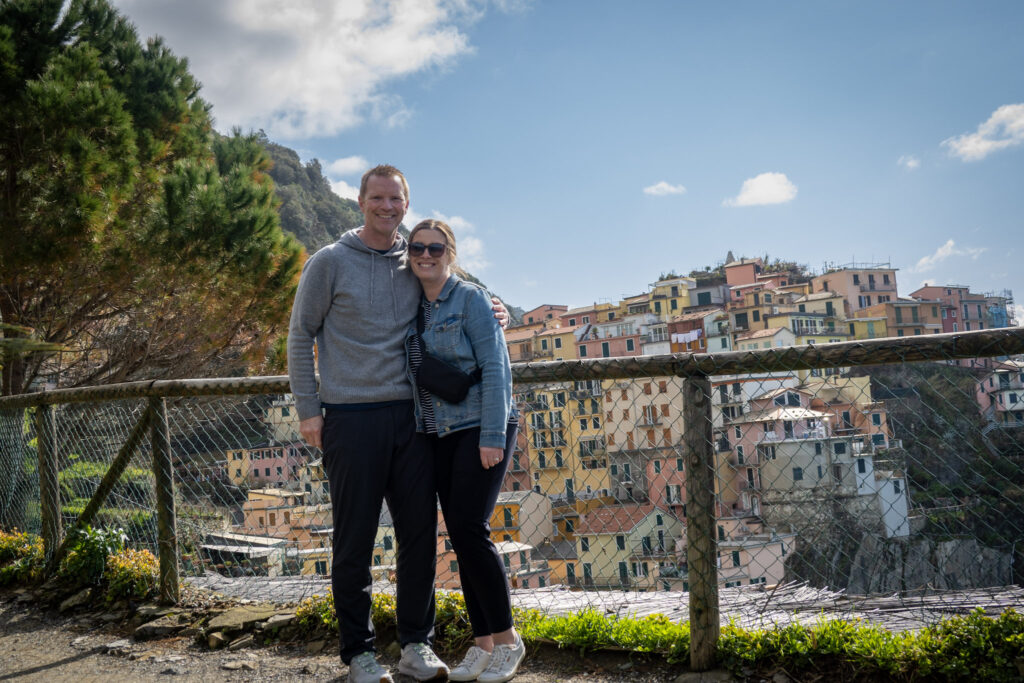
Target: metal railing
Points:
(70, 458)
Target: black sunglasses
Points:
(436, 249)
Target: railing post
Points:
(167, 534)
(701, 546)
(49, 491)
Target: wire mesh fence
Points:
(881, 478)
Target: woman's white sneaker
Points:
(505, 661)
(471, 666)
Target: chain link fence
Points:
(883, 479)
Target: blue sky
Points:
(579, 149)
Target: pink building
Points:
(266, 465)
(1000, 394)
(861, 284)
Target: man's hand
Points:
(500, 312)
(490, 456)
(312, 430)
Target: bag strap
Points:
(477, 374)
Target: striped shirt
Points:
(415, 359)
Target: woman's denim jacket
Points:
(463, 332)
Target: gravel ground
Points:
(42, 645)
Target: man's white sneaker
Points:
(471, 666)
(420, 662)
(505, 661)
(364, 668)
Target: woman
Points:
(473, 439)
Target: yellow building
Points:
(669, 296)
(868, 328)
(523, 517)
(563, 426)
(556, 343)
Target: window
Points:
(896, 486)
(735, 558)
(876, 419)
(559, 400)
(679, 464)
(629, 344)
(756, 316)
(739, 455)
(861, 466)
(839, 447)
(586, 319)
(856, 279)
(798, 473)
(583, 351)
(605, 351)
(558, 342)
(662, 387)
(620, 542)
(657, 466)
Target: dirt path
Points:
(40, 645)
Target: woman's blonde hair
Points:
(449, 238)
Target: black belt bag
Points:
(439, 377)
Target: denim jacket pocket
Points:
(447, 334)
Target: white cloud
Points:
(1005, 128)
(347, 166)
(344, 190)
(947, 250)
(303, 69)
(909, 162)
(662, 188)
(766, 188)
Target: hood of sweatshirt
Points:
(393, 259)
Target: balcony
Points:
(746, 485)
(878, 287)
(651, 549)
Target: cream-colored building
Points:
(623, 546)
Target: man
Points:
(355, 301)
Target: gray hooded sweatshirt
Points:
(356, 305)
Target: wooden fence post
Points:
(49, 491)
(701, 546)
(167, 533)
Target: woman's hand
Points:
(490, 456)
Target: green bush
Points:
(21, 557)
(88, 550)
(131, 574)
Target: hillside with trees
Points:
(136, 240)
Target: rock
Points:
(165, 625)
(239, 618)
(716, 676)
(315, 647)
(153, 611)
(781, 677)
(238, 664)
(77, 600)
(393, 650)
(216, 640)
(111, 617)
(279, 620)
(248, 640)
(174, 671)
(80, 640)
(118, 647)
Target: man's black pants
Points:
(370, 455)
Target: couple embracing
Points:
(414, 404)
